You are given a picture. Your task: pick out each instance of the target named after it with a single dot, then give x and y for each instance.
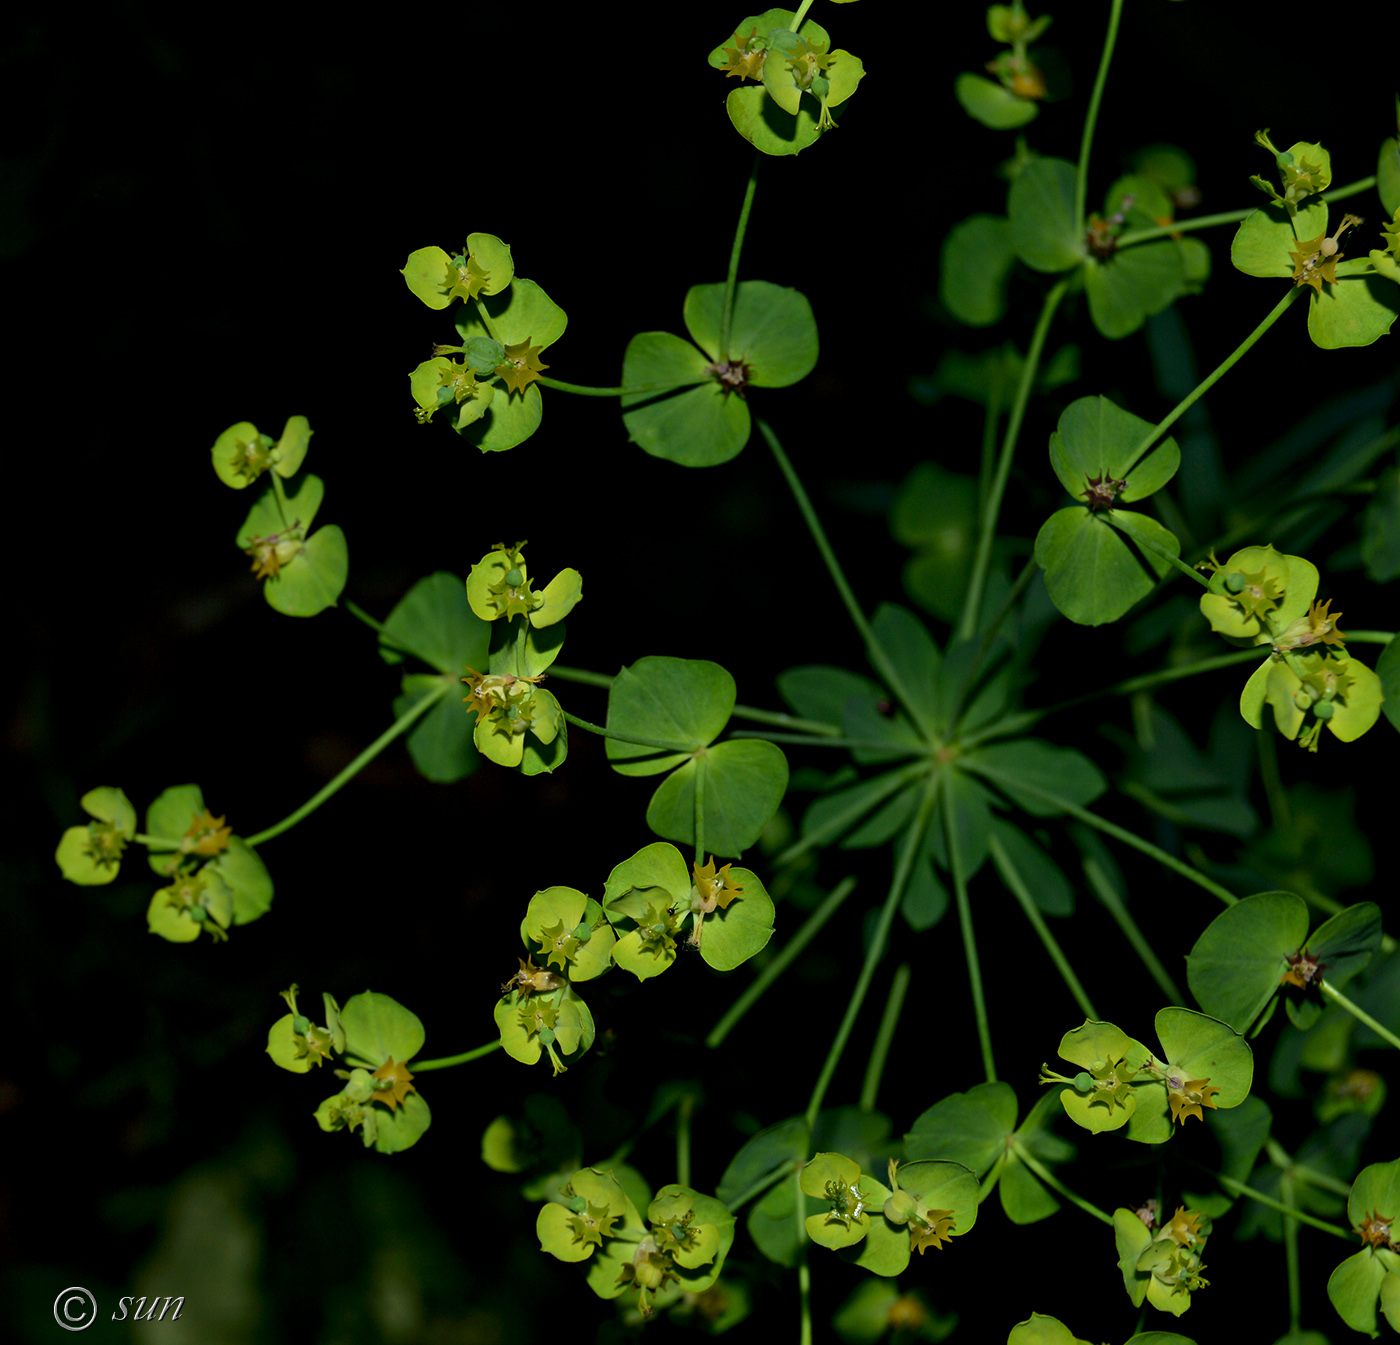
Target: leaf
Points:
(1038, 766)
(377, 1027)
(1267, 236)
(819, 692)
(314, 579)
(673, 700)
(1092, 574)
(767, 127)
(974, 267)
(910, 649)
(697, 427)
(969, 1128)
(242, 870)
(1353, 312)
(1346, 942)
(771, 329)
(780, 1144)
(1239, 960)
(1040, 206)
(1096, 439)
(1128, 287)
(403, 1127)
(441, 743)
(1388, 672)
(991, 103)
(434, 622)
(745, 780)
(1038, 873)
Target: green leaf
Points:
(1267, 236)
(315, 579)
(773, 1222)
(1041, 876)
(1127, 288)
(169, 817)
(1040, 206)
(246, 876)
(991, 103)
(745, 780)
(441, 743)
(778, 1145)
(970, 1128)
(290, 451)
(1354, 1288)
(1096, 439)
(434, 622)
(1380, 529)
(963, 805)
(733, 935)
(1090, 1047)
(772, 330)
(844, 808)
(820, 692)
(1388, 673)
(1346, 942)
(1353, 312)
(767, 127)
(697, 427)
(673, 700)
(915, 658)
(403, 1127)
(1237, 963)
(377, 1027)
(974, 267)
(657, 865)
(264, 518)
(1038, 765)
(1091, 572)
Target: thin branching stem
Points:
(1091, 117)
(879, 1053)
(1113, 903)
(731, 280)
(447, 1061)
(1357, 1012)
(969, 940)
(1055, 1184)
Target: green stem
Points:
(1370, 636)
(486, 320)
(699, 760)
(1240, 1189)
(1357, 1012)
(683, 1113)
(1119, 834)
(804, 1283)
(990, 420)
(1018, 724)
(447, 1061)
(1280, 813)
(889, 1020)
(641, 389)
(874, 650)
(621, 737)
(785, 957)
(1081, 176)
(1281, 1158)
(731, 280)
(811, 740)
(1290, 1253)
(969, 940)
(280, 496)
(1201, 388)
(360, 614)
(763, 1183)
(401, 725)
(800, 15)
(1113, 903)
(1126, 240)
(890, 783)
(987, 525)
(1352, 188)
(1055, 1184)
(913, 840)
(1147, 544)
(1012, 878)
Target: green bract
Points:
(91, 855)
(797, 79)
(929, 1203)
(540, 1013)
(655, 896)
(1099, 559)
(483, 267)
(685, 704)
(1371, 1277)
(304, 571)
(499, 586)
(1162, 1264)
(241, 454)
(570, 932)
(295, 1043)
(688, 404)
(846, 1198)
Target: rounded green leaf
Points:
(1345, 943)
(1107, 1049)
(265, 517)
(1238, 962)
(169, 817)
(1355, 1286)
(507, 420)
(290, 451)
(1353, 312)
(1128, 287)
(772, 330)
(1040, 206)
(745, 780)
(76, 860)
(657, 865)
(1092, 574)
(1038, 873)
(1206, 1048)
(440, 743)
(560, 596)
(991, 103)
(493, 256)
(281, 1046)
(246, 876)
(1096, 439)
(401, 1128)
(240, 455)
(434, 622)
(780, 1144)
(696, 427)
(1041, 1330)
(673, 700)
(426, 275)
(734, 934)
(1267, 236)
(377, 1027)
(169, 922)
(314, 579)
(767, 127)
(974, 266)
(525, 313)
(846, 1199)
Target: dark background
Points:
(202, 217)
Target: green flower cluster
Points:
(216, 878)
(1262, 597)
(377, 1037)
(1012, 98)
(678, 1249)
(1162, 1264)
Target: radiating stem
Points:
(360, 614)
(401, 725)
(889, 1020)
(1203, 387)
(1055, 1184)
(620, 737)
(683, 1113)
(447, 1061)
(784, 958)
(731, 280)
(908, 852)
(584, 390)
(874, 650)
(280, 496)
(1240, 1189)
(890, 783)
(1357, 1012)
(1081, 177)
(969, 940)
(1012, 878)
(1113, 903)
(763, 1183)
(1290, 1252)
(987, 524)
(804, 1284)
